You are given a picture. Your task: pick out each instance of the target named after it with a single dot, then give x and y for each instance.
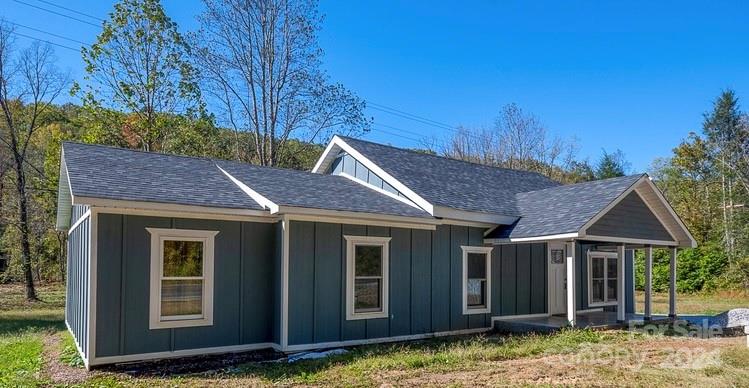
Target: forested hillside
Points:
(221, 93)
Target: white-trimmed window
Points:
(181, 278)
(366, 277)
(602, 278)
(477, 264)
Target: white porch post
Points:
(648, 281)
(571, 283)
(672, 285)
(621, 314)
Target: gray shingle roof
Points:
(454, 183)
(116, 173)
(304, 189)
(563, 209)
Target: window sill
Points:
(471, 311)
(375, 315)
(171, 324)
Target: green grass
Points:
(438, 355)
(701, 303)
(22, 326)
(468, 360)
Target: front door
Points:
(557, 279)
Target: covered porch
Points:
(593, 232)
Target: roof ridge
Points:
(446, 157)
(203, 158)
(583, 183)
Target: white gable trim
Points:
(379, 190)
(257, 197)
(338, 144)
(645, 180)
(64, 196)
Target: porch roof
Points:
(569, 211)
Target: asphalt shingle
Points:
(454, 183)
(304, 189)
(563, 209)
(116, 173)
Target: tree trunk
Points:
(23, 220)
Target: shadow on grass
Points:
(18, 322)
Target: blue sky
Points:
(631, 75)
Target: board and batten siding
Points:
(245, 296)
(630, 218)
(581, 268)
(77, 279)
(425, 284)
(520, 280)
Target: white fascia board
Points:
(671, 211)
(64, 198)
(338, 143)
(464, 215)
(126, 207)
(327, 156)
(626, 240)
(356, 218)
(257, 197)
(550, 237)
(379, 190)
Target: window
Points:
(366, 277)
(181, 278)
(476, 280)
(602, 278)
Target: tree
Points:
(728, 137)
(29, 83)
(139, 65)
(611, 165)
(518, 140)
(261, 64)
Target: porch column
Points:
(648, 281)
(571, 282)
(621, 314)
(672, 285)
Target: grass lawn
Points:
(36, 350)
(710, 304)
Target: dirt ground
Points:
(662, 362)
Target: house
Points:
(173, 256)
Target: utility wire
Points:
(48, 33)
(45, 41)
(57, 13)
(411, 115)
(71, 10)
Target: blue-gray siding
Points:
(246, 278)
(77, 290)
(78, 212)
(630, 218)
(346, 163)
(425, 282)
(581, 266)
(519, 279)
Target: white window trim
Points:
(487, 252)
(158, 236)
(607, 301)
(351, 243)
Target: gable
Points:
(630, 218)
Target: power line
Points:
(71, 10)
(45, 41)
(398, 135)
(57, 13)
(48, 33)
(410, 116)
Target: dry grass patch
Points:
(707, 304)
